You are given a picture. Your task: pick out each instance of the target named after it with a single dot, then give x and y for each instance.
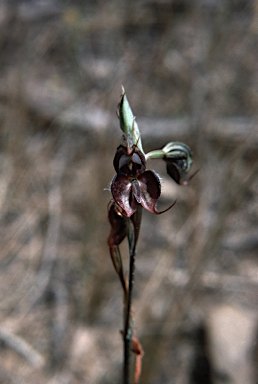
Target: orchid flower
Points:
(132, 188)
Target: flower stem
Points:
(133, 227)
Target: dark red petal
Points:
(138, 161)
(173, 171)
(121, 189)
(129, 159)
(121, 151)
(150, 188)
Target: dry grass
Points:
(191, 70)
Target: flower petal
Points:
(117, 162)
(128, 159)
(121, 189)
(173, 171)
(178, 158)
(150, 187)
(176, 173)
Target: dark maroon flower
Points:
(176, 170)
(129, 160)
(133, 185)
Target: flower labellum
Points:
(133, 184)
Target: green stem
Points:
(158, 154)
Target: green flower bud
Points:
(178, 159)
(127, 121)
(180, 153)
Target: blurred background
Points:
(190, 70)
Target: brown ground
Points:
(190, 71)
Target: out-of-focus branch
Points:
(22, 347)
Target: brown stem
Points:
(133, 229)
